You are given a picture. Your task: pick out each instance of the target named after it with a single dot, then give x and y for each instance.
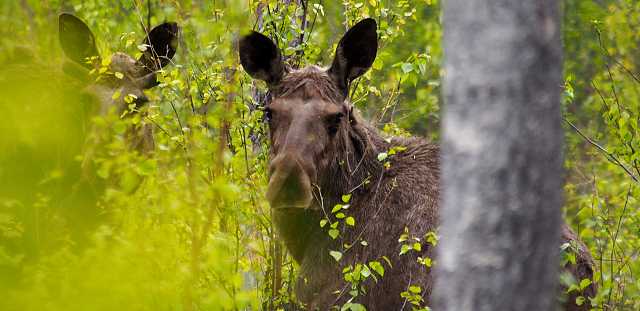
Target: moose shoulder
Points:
(322, 149)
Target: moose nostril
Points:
(290, 188)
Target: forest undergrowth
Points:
(87, 223)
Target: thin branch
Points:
(610, 156)
(603, 48)
(148, 14)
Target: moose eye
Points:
(333, 121)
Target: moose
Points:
(322, 149)
(126, 76)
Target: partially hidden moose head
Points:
(310, 121)
(79, 45)
(125, 76)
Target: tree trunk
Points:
(502, 156)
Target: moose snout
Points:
(290, 182)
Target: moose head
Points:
(79, 45)
(129, 76)
(314, 133)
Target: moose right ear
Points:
(162, 43)
(355, 53)
(261, 58)
(77, 41)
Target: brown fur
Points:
(321, 150)
(405, 195)
(583, 269)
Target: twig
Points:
(149, 14)
(610, 156)
(615, 238)
(627, 70)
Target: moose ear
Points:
(77, 41)
(261, 58)
(355, 53)
(162, 43)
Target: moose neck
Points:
(355, 168)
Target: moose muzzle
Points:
(290, 182)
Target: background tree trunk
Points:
(502, 156)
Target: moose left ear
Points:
(261, 58)
(77, 41)
(162, 43)
(355, 53)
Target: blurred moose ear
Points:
(261, 58)
(77, 41)
(355, 53)
(162, 43)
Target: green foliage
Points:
(87, 223)
(413, 295)
(601, 109)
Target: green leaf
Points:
(415, 289)
(382, 156)
(350, 306)
(129, 98)
(323, 223)
(403, 237)
(426, 261)
(567, 280)
(346, 198)
(432, 238)
(377, 267)
(417, 246)
(584, 283)
(333, 233)
(350, 221)
(387, 260)
(119, 75)
(407, 68)
(365, 272)
(340, 215)
(336, 208)
(129, 42)
(336, 255)
(318, 8)
(115, 95)
(404, 249)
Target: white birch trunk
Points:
(501, 156)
